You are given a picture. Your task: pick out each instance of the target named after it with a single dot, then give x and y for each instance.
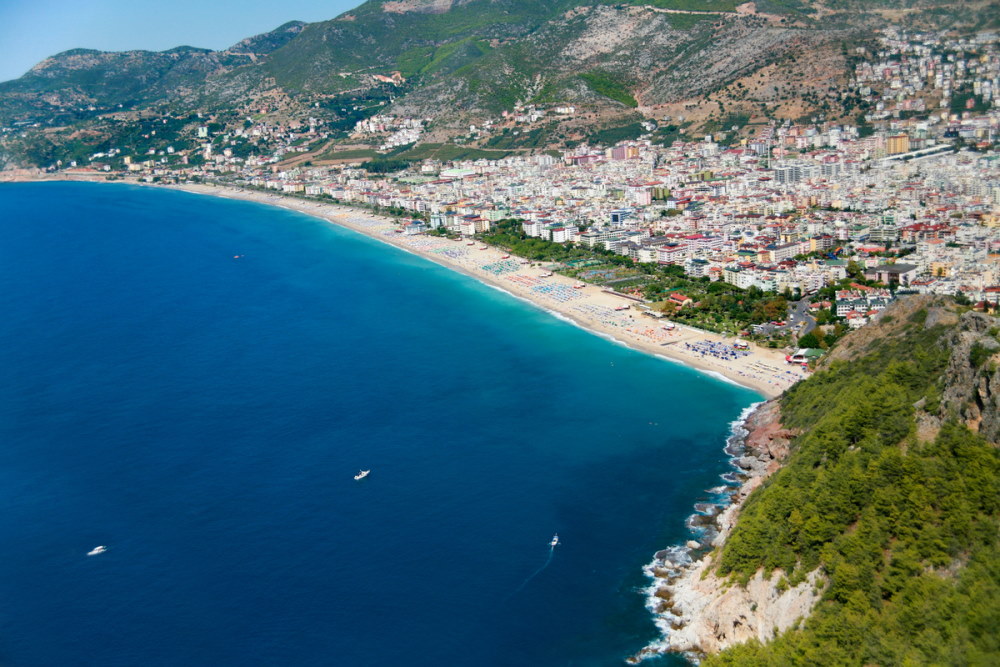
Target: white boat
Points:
(555, 540)
(361, 475)
(97, 550)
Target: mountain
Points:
(461, 62)
(84, 77)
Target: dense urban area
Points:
(767, 229)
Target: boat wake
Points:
(552, 550)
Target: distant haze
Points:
(31, 30)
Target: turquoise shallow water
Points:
(203, 416)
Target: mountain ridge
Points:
(463, 62)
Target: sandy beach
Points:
(590, 307)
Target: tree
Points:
(809, 340)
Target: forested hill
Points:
(892, 490)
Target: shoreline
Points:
(590, 308)
(762, 370)
(699, 612)
(676, 570)
(680, 587)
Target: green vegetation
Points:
(667, 135)
(689, 5)
(605, 83)
(906, 531)
(612, 135)
(349, 154)
(404, 156)
(534, 138)
(507, 234)
(448, 152)
(718, 306)
(726, 126)
(686, 22)
(422, 60)
(385, 165)
(962, 97)
(978, 355)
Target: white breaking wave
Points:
(719, 376)
(676, 558)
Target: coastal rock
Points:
(717, 614)
(766, 438)
(704, 613)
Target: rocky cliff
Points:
(861, 456)
(702, 612)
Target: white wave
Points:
(679, 362)
(744, 415)
(719, 376)
(676, 558)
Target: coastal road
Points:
(798, 314)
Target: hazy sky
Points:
(31, 30)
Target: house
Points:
(672, 253)
(893, 274)
(680, 300)
(856, 320)
(415, 227)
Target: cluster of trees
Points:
(905, 531)
(508, 234)
(721, 306)
(385, 166)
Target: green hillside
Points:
(464, 62)
(903, 522)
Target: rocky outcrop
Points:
(972, 386)
(701, 612)
(766, 438)
(717, 614)
(419, 6)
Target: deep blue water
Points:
(203, 417)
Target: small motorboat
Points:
(361, 475)
(555, 540)
(97, 551)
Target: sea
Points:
(193, 383)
